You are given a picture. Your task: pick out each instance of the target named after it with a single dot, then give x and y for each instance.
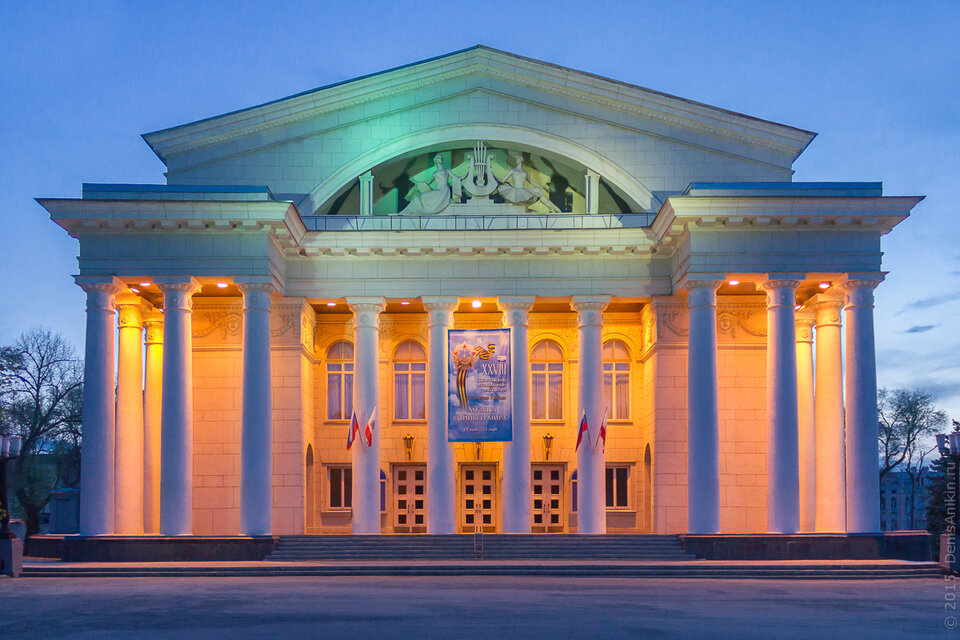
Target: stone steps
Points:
(495, 547)
(678, 570)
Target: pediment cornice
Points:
(482, 63)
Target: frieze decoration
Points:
(287, 318)
(229, 322)
(731, 322)
(670, 319)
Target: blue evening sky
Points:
(879, 81)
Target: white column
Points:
(591, 193)
(366, 393)
(828, 408)
(441, 471)
(591, 468)
(863, 473)
(128, 514)
(703, 418)
(517, 501)
(97, 462)
(366, 194)
(805, 421)
(783, 473)
(256, 411)
(176, 445)
(152, 398)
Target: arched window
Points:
(546, 371)
(340, 381)
(616, 379)
(409, 381)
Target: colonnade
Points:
(137, 463)
(138, 438)
(822, 462)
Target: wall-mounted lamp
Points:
(547, 446)
(478, 451)
(408, 445)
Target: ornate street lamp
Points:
(408, 445)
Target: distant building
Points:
(899, 499)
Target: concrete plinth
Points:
(906, 545)
(152, 548)
(11, 556)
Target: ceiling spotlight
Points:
(144, 284)
(476, 304)
(222, 285)
(134, 289)
(331, 304)
(404, 302)
(798, 307)
(824, 285)
(733, 283)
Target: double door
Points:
(546, 481)
(409, 498)
(478, 497)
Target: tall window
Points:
(409, 381)
(341, 488)
(546, 370)
(340, 381)
(618, 494)
(616, 380)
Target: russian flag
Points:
(584, 429)
(371, 424)
(354, 429)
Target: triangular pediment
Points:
(595, 98)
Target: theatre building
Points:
(484, 258)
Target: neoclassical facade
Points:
(659, 271)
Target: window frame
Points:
(343, 493)
(343, 388)
(408, 373)
(626, 483)
(546, 373)
(613, 372)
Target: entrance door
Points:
(478, 497)
(409, 498)
(547, 484)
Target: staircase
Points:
(495, 547)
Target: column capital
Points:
(178, 291)
(827, 307)
(590, 309)
(440, 309)
(803, 322)
(516, 309)
(256, 295)
(131, 308)
(366, 311)
(153, 321)
(858, 288)
(780, 288)
(101, 291)
(701, 293)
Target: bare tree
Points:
(41, 382)
(907, 418)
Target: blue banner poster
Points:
(479, 391)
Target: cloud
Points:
(926, 303)
(920, 328)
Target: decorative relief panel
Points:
(221, 321)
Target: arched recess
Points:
(492, 134)
(310, 485)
